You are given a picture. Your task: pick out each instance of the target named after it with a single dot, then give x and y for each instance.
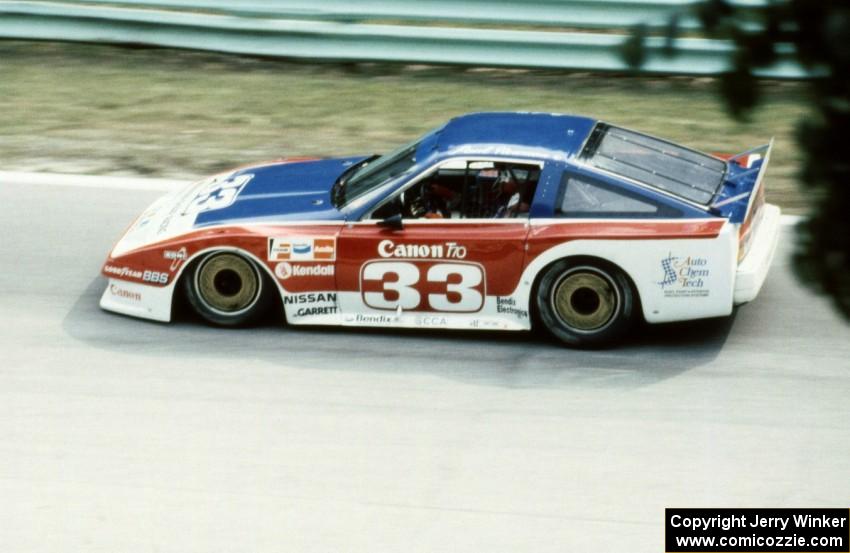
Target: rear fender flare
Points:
(640, 261)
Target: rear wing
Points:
(743, 183)
(743, 193)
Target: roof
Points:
(545, 135)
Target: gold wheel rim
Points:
(585, 301)
(228, 284)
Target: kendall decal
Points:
(285, 270)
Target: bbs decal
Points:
(423, 286)
(155, 276)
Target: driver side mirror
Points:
(393, 221)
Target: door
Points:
(421, 261)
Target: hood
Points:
(280, 191)
(264, 193)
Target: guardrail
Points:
(336, 30)
(585, 14)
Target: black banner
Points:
(757, 530)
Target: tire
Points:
(227, 289)
(585, 304)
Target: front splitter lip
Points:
(138, 300)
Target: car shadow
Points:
(650, 354)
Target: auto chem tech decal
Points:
(307, 248)
(684, 276)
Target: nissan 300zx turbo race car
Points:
(494, 221)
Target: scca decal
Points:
(432, 321)
(423, 286)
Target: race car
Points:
(494, 221)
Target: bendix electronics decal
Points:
(684, 277)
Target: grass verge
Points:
(106, 110)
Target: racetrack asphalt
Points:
(123, 435)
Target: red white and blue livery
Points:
(494, 221)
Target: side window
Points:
(584, 198)
(469, 190)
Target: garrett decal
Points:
(315, 303)
(684, 277)
(285, 270)
(295, 248)
(124, 293)
(449, 250)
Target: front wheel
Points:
(585, 304)
(227, 289)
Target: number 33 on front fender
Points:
(423, 286)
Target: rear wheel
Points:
(585, 304)
(227, 289)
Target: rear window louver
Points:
(686, 173)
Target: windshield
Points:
(373, 172)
